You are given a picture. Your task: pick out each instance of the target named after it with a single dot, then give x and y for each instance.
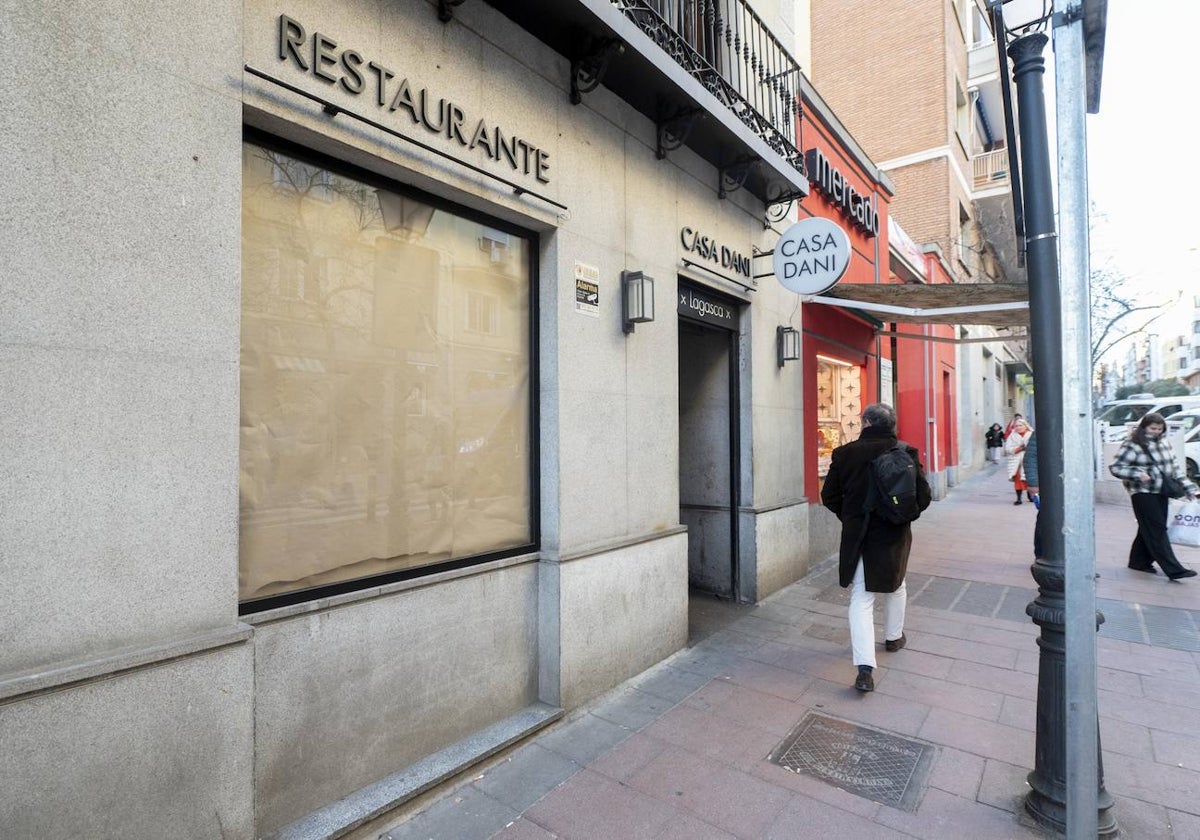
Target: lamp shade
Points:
(788, 341)
(637, 294)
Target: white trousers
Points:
(862, 617)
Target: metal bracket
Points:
(733, 177)
(1065, 18)
(777, 211)
(673, 131)
(588, 71)
(446, 9)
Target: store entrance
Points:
(708, 454)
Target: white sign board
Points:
(812, 256)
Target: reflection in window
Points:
(381, 430)
(839, 408)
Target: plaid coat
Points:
(1157, 458)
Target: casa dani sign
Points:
(811, 256)
(356, 74)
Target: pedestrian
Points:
(1031, 479)
(1014, 448)
(873, 556)
(1142, 462)
(1009, 426)
(995, 442)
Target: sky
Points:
(1143, 176)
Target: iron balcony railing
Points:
(727, 48)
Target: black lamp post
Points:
(1046, 801)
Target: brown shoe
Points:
(893, 645)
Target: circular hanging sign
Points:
(811, 256)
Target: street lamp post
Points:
(1047, 799)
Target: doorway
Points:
(708, 455)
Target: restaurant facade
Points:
(405, 372)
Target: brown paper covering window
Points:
(384, 381)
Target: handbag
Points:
(1183, 525)
(1172, 487)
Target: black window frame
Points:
(305, 154)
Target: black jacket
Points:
(882, 545)
(995, 438)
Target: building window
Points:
(962, 116)
(839, 408)
(966, 239)
(382, 433)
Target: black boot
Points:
(1018, 501)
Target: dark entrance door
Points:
(708, 450)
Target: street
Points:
(694, 747)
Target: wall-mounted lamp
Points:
(787, 340)
(637, 298)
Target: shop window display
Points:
(385, 394)
(839, 408)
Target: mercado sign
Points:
(861, 210)
(811, 256)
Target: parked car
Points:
(1188, 422)
(1122, 415)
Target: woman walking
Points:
(995, 442)
(1142, 463)
(1014, 448)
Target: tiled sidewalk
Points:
(681, 751)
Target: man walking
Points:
(874, 550)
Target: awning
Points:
(979, 304)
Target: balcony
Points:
(990, 170)
(709, 74)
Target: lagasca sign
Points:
(812, 256)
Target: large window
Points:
(385, 378)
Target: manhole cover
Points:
(867, 762)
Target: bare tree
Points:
(1116, 313)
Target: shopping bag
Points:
(1183, 524)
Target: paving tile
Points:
(523, 829)
(1126, 738)
(707, 663)
(630, 708)
(1004, 786)
(466, 814)
(804, 817)
(526, 776)
(916, 662)
(745, 706)
(957, 772)
(1139, 820)
(632, 755)
(687, 827)
(812, 788)
(1184, 825)
(584, 738)
(1112, 679)
(994, 655)
(1028, 661)
(812, 663)
(967, 699)
(943, 815)
(1158, 784)
(1004, 680)
(1176, 749)
(720, 739)
(1178, 693)
(1154, 715)
(1139, 662)
(892, 714)
(768, 679)
(980, 737)
(737, 802)
(1018, 712)
(669, 683)
(759, 627)
(730, 641)
(592, 807)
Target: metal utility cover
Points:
(867, 762)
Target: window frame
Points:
(371, 178)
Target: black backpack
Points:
(892, 494)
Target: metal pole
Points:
(1089, 807)
(1047, 799)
